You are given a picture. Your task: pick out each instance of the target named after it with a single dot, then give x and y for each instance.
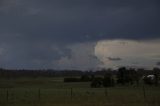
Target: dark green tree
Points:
(96, 82)
(108, 80)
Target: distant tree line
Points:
(12, 73)
(9, 74)
(99, 78)
(122, 76)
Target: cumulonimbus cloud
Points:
(134, 53)
(114, 58)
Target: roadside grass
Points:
(53, 92)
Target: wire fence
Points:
(107, 95)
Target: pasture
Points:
(54, 92)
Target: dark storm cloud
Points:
(158, 63)
(33, 55)
(73, 20)
(30, 28)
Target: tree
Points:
(108, 80)
(156, 73)
(85, 78)
(121, 76)
(126, 76)
(148, 80)
(96, 82)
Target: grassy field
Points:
(53, 92)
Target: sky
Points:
(79, 34)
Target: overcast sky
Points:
(79, 34)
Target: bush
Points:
(71, 80)
(108, 81)
(96, 82)
(85, 78)
(148, 80)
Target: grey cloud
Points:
(114, 58)
(82, 57)
(72, 20)
(34, 55)
(30, 28)
(158, 63)
(156, 56)
(6, 2)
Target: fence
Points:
(40, 96)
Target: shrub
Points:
(108, 81)
(71, 80)
(85, 78)
(148, 80)
(96, 82)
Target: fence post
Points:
(144, 93)
(71, 92)
(13, 96)
(39, 94)
(106, 92)
(7, 95)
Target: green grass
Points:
(53, 92)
